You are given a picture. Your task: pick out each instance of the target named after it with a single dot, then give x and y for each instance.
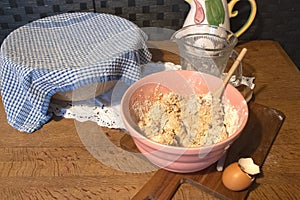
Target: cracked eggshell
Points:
(248, 166)
(234, 178)
(237, 177)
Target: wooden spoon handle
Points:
(220, 91)
(234, 66)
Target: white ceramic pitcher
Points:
(218, 13)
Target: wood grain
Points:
(53, 163)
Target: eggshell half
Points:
(235, 179)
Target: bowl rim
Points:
(146, 80)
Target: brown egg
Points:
(235, 179)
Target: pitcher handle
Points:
(251, 17)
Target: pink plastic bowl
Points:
(172, 158)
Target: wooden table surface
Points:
(53, 162)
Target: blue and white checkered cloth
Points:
(61, 53)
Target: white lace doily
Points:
(105, 109)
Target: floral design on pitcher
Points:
(215, 12)
(199, 14)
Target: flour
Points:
(196, 120)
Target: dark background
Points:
(277, 20)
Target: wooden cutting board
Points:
(255, 141)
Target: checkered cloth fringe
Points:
(61, 53)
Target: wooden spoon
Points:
(219, 94)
